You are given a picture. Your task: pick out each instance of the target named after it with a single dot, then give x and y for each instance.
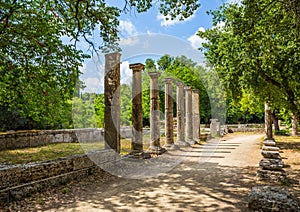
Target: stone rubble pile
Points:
(270, 198)
(271, 166)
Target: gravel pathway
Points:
(215, 176)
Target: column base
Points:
(171, 147)
(192, 142)
(139, 155)
(182, 144)
(269, 139)
(156, 150)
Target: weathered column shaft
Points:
(112, 101)
(196, 116)
(137, 109)
(180, 141)
(294, 124)
(268, 121)
(154, 110)
(214, 128)
(189, 115)
(169, 122)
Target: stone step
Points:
(26, 189)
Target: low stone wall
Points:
(15, 140)
(17, 181)
(258, 130)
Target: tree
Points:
(257, 50)
(38, 71)
(184, 69)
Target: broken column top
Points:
(188, 88)
(168, 80)
(195, 90)
(154, 74)
(180, 84)
(137, 66)
(112, 54)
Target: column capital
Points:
(154, 75)
(180, 84)
(195, 90)
(168, 80)
(188, 88)
(136, 67)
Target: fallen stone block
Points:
(271, 164)
(271, 176)
(270, 198)
(269, 143)
(270, 154)
(270, 148)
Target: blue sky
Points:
(134, 23)
(149, 35)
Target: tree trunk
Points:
(294, 124)
(268, 122)
(275, 121)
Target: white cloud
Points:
(130, 41)
(220, 25)
(126, 73)
(234, 1)
(92, 84)
(127, 28)
(195, 40)
(82, 68)
(169, 22)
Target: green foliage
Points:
(83, 111)
(99, 110)
(38, 71)
(126, 105)
(257, 51)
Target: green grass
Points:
(48, 152)
(59, 150)
(288, 142)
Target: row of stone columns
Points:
(112, 110)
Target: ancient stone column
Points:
(112, 101)
(180, 115)
(294, 124)
(169, 123)
(154, 115)
(268, 122)
(214, 128)
(189, 115)
(196, 115)
(137, 109)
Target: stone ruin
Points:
(271, 197)
(112, 111)
(271, 166)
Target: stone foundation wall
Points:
(15, 140)
(246, 127)
(16, 181)
(258, 130)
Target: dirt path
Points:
(216, 176)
